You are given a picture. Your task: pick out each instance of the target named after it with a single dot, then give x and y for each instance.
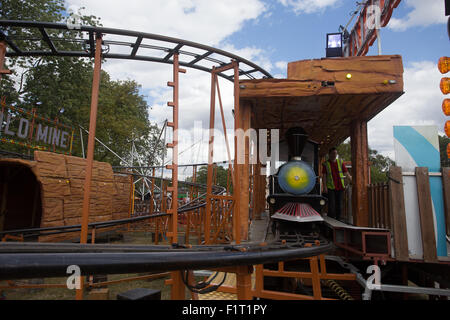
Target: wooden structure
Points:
(48, 192)
(331, 99)
(398, 216)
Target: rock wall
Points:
(62, 188)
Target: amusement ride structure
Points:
(320, 104)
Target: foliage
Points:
(60, 87)
(379, 164)
(221, 176)
(443, 142)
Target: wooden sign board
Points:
(27, 129)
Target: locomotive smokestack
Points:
(296, 138)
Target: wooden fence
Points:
(379, 215)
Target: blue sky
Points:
(288, 36)
(272, 33)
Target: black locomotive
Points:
(295, 201)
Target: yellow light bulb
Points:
(447, 128)
(348, 76)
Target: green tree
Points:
(60, 87)
(443, 142)
(379, 164)
(221, 176)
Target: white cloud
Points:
(424, 13)
(420, 105)
(203, 21)
(282, 65)
(208, 22)
(308, 6)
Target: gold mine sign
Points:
(35, 132)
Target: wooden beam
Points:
(209, 177)
(369, 74)
(244, 282)
(237, 182)
(426, 215)
(446, 190)
(359, 148)
(279, 88)
(244, 169)
(398, 215)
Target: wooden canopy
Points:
(319, 96)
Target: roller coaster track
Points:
(31, 260)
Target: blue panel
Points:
(420, 149)
(438, 201)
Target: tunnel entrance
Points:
(20, 198)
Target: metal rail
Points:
(33, 232)
(84, 36)
(36, 265)
(192, 205)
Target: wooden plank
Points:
(398, 215)
(279, 88)
(243, 194)
(446, 190)
(360, 204)
(368, 73)
(379, 206)
(381, 222)
(426, 215)
(386, 207)
(372, 206)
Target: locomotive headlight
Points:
(272, 200)
(322, 202)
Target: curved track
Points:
(94, 259)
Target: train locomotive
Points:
(295, 200)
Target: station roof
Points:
(324, 96)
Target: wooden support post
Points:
(317, 290)
(157, 222)
(91, 140)
(244, 197)
(237, 182)
(446, 190)
(426, 215)
(178, 290)
(90, 151)
(244, 282)
(152, 190)
(360, 204)
(259, 279)
(398, 215)
(209, 178)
